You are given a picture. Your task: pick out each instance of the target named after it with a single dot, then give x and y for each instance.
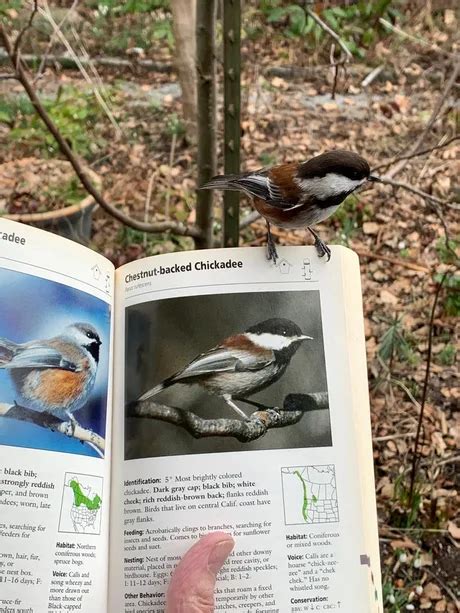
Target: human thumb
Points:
(192, 585)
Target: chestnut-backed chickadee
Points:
(242, 364)
(55, 375)
(300, 195)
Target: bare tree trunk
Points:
(206, 78)
(232, 127)
(184, 20)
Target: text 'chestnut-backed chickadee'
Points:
(301, 195)
(242, 364)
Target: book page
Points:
(56, 303)
(246, 424)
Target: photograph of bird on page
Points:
(223, 358)
(54, 358)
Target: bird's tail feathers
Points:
(152, 392)
(223, 182)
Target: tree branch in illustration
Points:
(69, 428)
(257, 424)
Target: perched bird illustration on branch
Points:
(54, 375)
(242, 364)
(301, 195)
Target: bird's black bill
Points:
(374, 179)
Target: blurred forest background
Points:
(378, 77)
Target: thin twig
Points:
(323, 25)
(415, 39)
(171, 162)
(387, 181)
(249, 219)
(391, 437)
(445, 587)
(372, 76)
(432, 202)
(391, 260)
(442, 98)
(409, 156)
(148, 199)
(115, 63)
(53, 37)
(335, 67)
(46, 13)
(158, 227)
(415, 456)
(28, 25)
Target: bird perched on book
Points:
(54, 375)
(242, 364)
(299, 195)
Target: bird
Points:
(54, 375)
(242, 364)
(298, 195)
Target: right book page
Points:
(240, 404)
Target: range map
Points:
(310, 494)
(81, 504)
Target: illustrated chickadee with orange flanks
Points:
(54, 375)
(242, 364)
(301, 195)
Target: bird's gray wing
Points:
(258, 184)
(222, 359)
(37, 355)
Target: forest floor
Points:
(405, 243)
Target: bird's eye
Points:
(89, 335)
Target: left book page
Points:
(56, 302)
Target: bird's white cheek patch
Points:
(330, 185)
(275, 342)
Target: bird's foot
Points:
(73, 424)
(266, 417)
(272, 254)
(229, 400)
(321, 248)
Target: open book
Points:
(181, 394)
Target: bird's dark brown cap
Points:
(346, 163)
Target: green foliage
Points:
(71, 192)
(394, 599)
(162, 30)
(267, 159)
(175, 125)
(350, 216)
(148, 20)
(357, 24)
(395, 344)
(406, 511)
(447, 356)
(451, 287)
(447, 251)
(74, 112)
(8, 8)
(128, 7)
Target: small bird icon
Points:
(54, 375)
(242, 364)
(301, 195)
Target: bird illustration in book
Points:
(301, 195)
(54, 375)
(242, 364)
